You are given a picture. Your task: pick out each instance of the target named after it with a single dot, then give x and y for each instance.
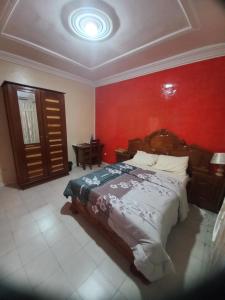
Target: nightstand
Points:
(122, 155)
(207, 190)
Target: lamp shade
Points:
(218, 159)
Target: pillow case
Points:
(145, 158)
(172, 164)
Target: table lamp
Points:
(218, 159)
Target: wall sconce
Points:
(168, 89)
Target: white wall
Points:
(79, 103)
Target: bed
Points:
(135, 204)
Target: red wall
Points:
(136, 107)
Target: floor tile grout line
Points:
(63, 269)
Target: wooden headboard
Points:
(166, 142)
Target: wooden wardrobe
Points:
(37, 126)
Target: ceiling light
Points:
(90, 23)
(91, 29)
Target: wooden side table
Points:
(207, 190)
(82, 152)
(122, 155)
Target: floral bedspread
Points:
(82, 186)
(140, 206)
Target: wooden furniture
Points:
(204, 189)
(160, 142)
(207, 190)
(122, 155)
(36, 119)
(88, 154)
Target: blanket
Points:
(140, 206)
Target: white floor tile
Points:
(75, 296)
(81, 235)
(78, 268)
(112, 272)
(95, 252)
(32, 248)
(17, 211)
(9, 263)
(96, 287)
(35, 202)
(47, 222)
(7, 243)
(56, 233)
(193, 272)
(71, 223)
(4, 225)
(58, 285)
(42, 212)
(66, 248)
(131, 291)
(198, 250)
(19, 222)
(22, 235)
(119, 296)
(41, 268)
(12, 203)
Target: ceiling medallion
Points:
(90, 23)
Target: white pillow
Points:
(144, 158)
(172, 164)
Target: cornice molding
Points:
(200, 54)
(10, 57)
(192, 56)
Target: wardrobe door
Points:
(55, 132)
(27, 135)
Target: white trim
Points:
(6, 56)
(42, 49)
(9, 13)
(185, 13)
(199, 54)
(138, 49)
(135, 50)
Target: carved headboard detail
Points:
(166, 142)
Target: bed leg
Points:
(74, 208)
(138, 274)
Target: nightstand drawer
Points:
(207, 191)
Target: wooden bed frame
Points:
(166, 142)
(160, 142)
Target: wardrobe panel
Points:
(55, 137)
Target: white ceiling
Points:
(146, 32)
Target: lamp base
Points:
(219, 171)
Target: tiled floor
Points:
(53, 253)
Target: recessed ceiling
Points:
(144, 32)
(90, 23)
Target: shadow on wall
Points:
(7, 168)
